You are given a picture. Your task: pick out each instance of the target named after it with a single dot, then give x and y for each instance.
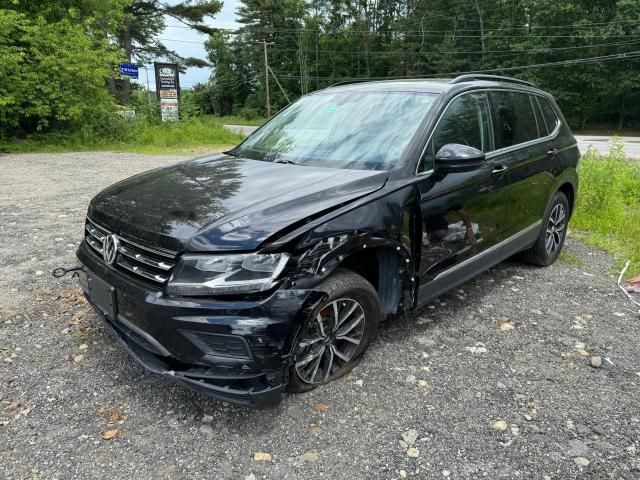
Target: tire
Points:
(319, 340)
(554, 224)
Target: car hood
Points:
(224, 203)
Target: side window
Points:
(465, 121)
(542, 126)
(515, 120)
(550, 117)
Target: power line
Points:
(575, 61)
(488, 36)
(348, 30)
(635, 40)
(457, 52)
(629, 56)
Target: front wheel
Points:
(552, 234)
(336, 335)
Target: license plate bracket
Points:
(103, 296)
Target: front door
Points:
(462, 213)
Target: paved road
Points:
(491, 381)
(603, 144)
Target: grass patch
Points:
(608, 211)
(194, 135)
(81, 336)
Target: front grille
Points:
(152, 264)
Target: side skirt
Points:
(464, 271)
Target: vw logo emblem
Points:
(110, 249)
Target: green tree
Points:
(53, 71)
(144, 20)
(232, 79)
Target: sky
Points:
(189, 43)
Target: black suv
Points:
(269, 267)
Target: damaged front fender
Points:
(381, 231)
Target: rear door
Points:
(525, 146)
(462, 213)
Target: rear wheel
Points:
(552, 234)
(337, 333)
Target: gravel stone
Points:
(500, 425)
(205, 428)
(45, 196)
(310, 456)
(576, 448)
(410, 436)
(583, 462)
(413, 452)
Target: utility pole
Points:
(266, 76)
(146, 71)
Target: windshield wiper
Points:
(288, 162)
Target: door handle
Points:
(552, 153)
(499, 170)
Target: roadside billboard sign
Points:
(168, 90)
(169, 109)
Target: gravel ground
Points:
(494, 380)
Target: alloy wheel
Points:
(555, 229)
(330, 341)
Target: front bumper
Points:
(162, 333)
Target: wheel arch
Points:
(380, 266)
(569, 191)
(377, 240)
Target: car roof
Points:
(434, 85)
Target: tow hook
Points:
(61, 272)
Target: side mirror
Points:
(454, 157)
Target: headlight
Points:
(219, 274)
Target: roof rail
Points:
(355, 80)
(495, 78)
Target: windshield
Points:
(358, 130)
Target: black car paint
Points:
(373, 220)
(224, 203)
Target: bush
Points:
(249, 113)
(608, 208)
(53, 75)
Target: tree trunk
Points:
(127, 43)
(621, 119)
(111, 82)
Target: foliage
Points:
(608, 210)
(200, 135)
(145, 20)
(53, 72)
(320, 42)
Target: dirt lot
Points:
(492, 381)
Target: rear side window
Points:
(515, 120)
(549, 114)
(542, 126)
(466, 122)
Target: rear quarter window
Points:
(549, 114)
